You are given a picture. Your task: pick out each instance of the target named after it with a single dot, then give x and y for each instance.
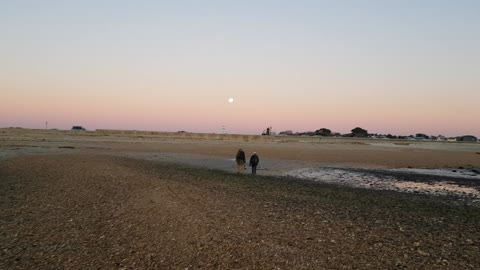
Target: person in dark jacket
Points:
(254, 160)
(241, 160)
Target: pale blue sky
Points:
(333, 64)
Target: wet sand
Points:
(323, 151)
(329, 160)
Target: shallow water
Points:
(426, 181)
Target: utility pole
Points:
(46, 125)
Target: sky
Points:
(399, 67)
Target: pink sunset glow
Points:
(298, 72)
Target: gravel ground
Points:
(88, 211)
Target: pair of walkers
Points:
(241, 161)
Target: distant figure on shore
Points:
(254, 160)
(267, 132)
(241, 160)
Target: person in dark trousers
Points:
(254, 160)
(241, 160)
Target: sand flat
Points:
(108, 201)
(355, 152)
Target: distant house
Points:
(467, 138)
(441, 138)
(78, 128)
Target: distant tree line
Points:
(325, 132)
(359, 132)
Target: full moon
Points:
(230, 100)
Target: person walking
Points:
(241, 160)
(254, 160)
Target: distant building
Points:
(78, 128)
(467, 138)
(441, 138)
